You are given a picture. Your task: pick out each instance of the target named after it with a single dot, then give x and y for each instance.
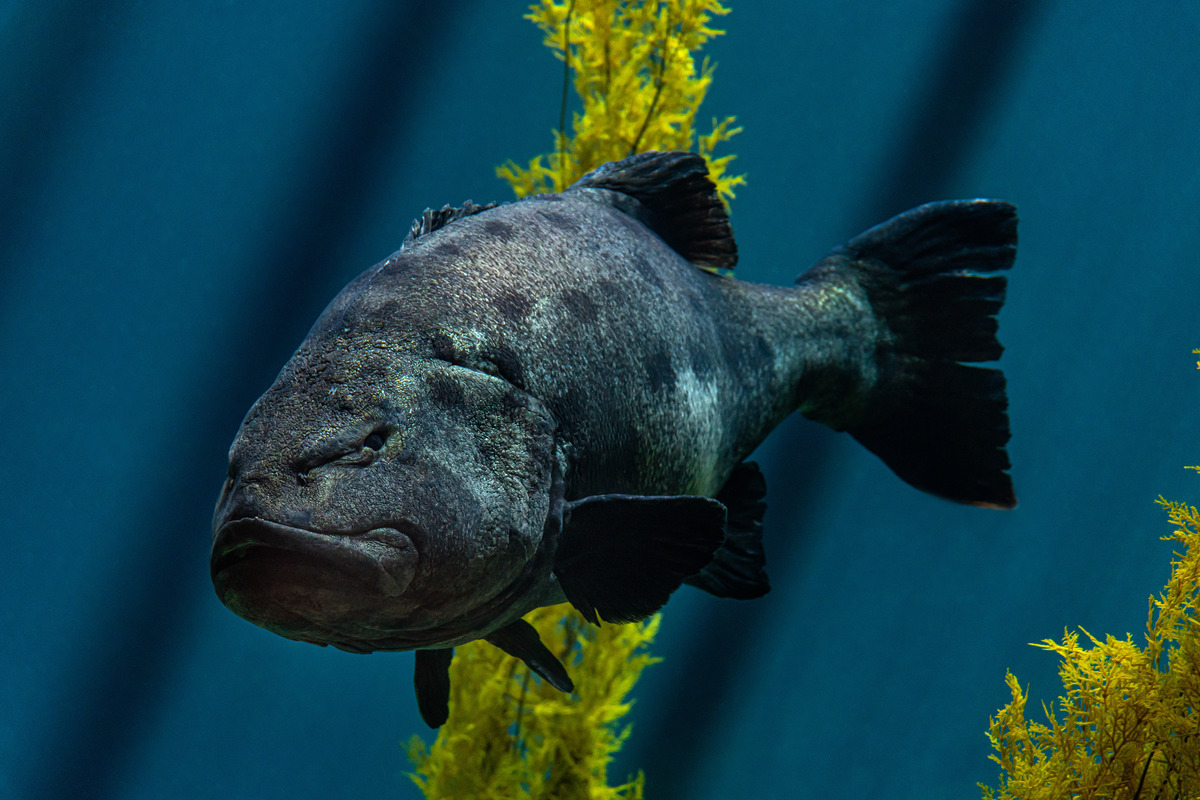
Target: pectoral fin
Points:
(432, 681)
(621, 556)
(521, 640)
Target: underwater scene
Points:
(185, 188)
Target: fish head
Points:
(376, 501)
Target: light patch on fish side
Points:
(697, 404)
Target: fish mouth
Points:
(290, 579)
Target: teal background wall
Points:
(184, 186)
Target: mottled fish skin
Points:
(660, 376)
(452, 402)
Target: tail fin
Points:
(939, 424)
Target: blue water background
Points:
(184, 186)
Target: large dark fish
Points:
(547, 400)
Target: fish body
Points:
(547, 400)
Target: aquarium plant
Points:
(633, 67)
(1128, 725)
(509, 734)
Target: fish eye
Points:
(375, 440)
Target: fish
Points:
(553, 400)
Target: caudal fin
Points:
(929, 275)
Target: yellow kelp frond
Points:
(1129, 723)
(512, 736)
(635, 73)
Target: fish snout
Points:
(257, 496)
(241, 497)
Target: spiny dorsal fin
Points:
(682, 203)
(431, 220)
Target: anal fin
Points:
(737, 569)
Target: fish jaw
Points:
(324, 588)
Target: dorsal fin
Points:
(681, 202)
(431, 220)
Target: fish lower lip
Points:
(383, 557)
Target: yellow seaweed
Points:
(638, 84)
(1128, 725)
(512, 736)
